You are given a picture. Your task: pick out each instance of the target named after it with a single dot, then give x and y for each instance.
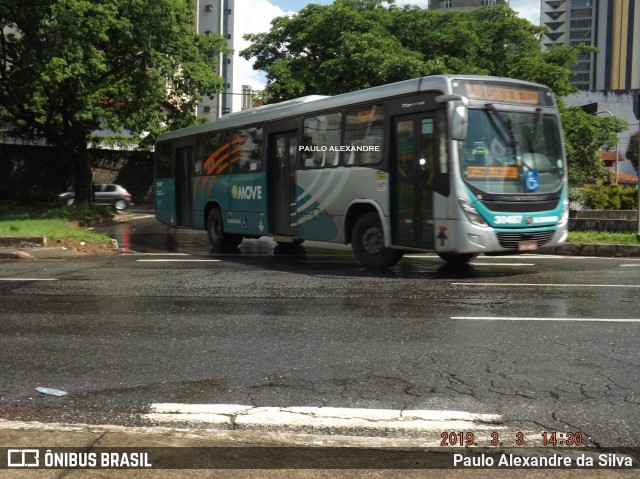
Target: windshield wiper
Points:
(534, 136)
(501, 126)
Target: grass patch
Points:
(597, 237)
(53, 222)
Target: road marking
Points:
(502, 264)
(516, 318)
(28, 279)
(161, 254)
(178, 260)
(322, 418)
(630, 265)
(551, 285)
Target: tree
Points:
(331, 49)
(633, 151)
(354, 44)
(70, 67)
(585, 136)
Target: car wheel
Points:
(367, 242)
(120, 205)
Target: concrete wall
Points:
(612, 221)
(36, 173)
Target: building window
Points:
(581, 12)
(581, 3)
(580, 77)
(488, 3)
(580, 34)
(584, 23)
(446, 4)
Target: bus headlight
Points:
(564, 217)
(472, 214)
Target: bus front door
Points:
(283, 148)
(414, 156)
(184, 171)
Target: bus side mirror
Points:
(458, 115)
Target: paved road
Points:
(532, 343)
(545, 343)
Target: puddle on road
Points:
(167, 391)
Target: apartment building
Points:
(219, 17)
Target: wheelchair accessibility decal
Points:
(532, 180)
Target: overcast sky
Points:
(266, 10)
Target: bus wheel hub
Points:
(373, 241)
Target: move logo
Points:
(246, 192)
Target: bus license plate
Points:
(527, 245)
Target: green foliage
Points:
(602, 196)
(54, 223)
(354, 44)
(70, 67)
(602, 237)
(633, 151)
(585, 136)
(629, 199)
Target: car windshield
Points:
(512, 152)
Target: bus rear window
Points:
(164, 163)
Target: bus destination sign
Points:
(492, 92)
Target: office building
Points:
(613, 26)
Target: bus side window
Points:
(212, 151)
(364, 128)
(321, 141)
(246, 150)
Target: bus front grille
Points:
(511, 240)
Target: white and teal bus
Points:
(459, 165)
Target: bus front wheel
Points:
(458, 259)
(367, 242)
(215, 230)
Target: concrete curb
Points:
(23, 241)
(602, 250)
(11, 247)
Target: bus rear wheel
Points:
(458, 259)
(367, 242)
(215, 230)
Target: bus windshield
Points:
(508, 152)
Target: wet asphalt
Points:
(548, 343)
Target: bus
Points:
(456, 165)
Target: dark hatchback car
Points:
(103, 194)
